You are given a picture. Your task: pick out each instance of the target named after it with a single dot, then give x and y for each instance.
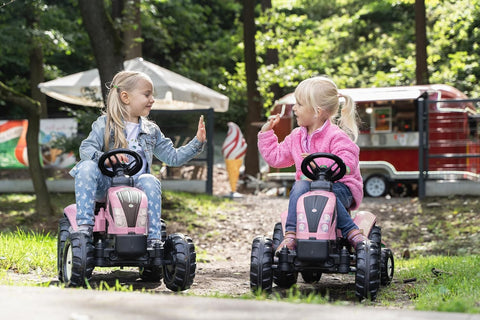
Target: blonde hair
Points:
(116, 110)
(323, 93)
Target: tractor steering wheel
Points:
(332, 173)
(118, 168)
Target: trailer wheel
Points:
(376, 186)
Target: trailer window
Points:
(382, 119)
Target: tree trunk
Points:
(34, 112)
(271, 57)
(105, 40)
(253, 96)
(132, 30)
(421, 43)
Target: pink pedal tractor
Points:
(320, 247)
(119, 236)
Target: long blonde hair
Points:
(116, 110)
(322, 92)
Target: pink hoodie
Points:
(330, 139)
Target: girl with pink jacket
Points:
(322, 128)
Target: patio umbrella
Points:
(171, 90)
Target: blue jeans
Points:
(91, 185)
(344, 200)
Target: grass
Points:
(23, 252)
(443, 283)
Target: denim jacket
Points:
(150, 138)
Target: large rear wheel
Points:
(261, 264)
(151, 274)
(180, 251)
(277, 235)
(387, 267)
(311, 276)
(367, 276)
(63, 232)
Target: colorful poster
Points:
(13, 143)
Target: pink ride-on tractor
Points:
(320, 245)
(120, 236)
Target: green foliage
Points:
(357, 43)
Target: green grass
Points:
(22, 252)
(455, 287)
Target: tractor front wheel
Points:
(78, 260)
(180, 272)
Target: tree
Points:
(421, 70)
(106, 42)
(253, 96)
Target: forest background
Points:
(358, 43)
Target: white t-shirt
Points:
(132, 138)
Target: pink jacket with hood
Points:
(330, 138)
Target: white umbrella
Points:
(171, 90)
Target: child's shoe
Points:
(289, 241)
(355, 237)
(86, 230)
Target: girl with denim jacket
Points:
(321, 129)
(125, 125)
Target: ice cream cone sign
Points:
(234, 149)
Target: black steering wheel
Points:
(332, 173)
(119, 169)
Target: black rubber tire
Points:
(376, 186)
(163, 230)
(151, 274)
(179, 275)
(63, 232)
(277, 235)
(310, 276)
(78, 260)
(387, 267)
(285, 279)
(261, 259)
(376, 234)
(367, 276)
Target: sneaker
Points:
(355, 237)
(86, 229)
(289, 241)
(151, 243)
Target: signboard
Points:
(13, 143)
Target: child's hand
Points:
(122, 158)
(271, 122)
(201, 132)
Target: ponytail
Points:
(348, 118)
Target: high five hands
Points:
(271, 123)
(201, 131)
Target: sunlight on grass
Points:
(23, 253)
(443, 283)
